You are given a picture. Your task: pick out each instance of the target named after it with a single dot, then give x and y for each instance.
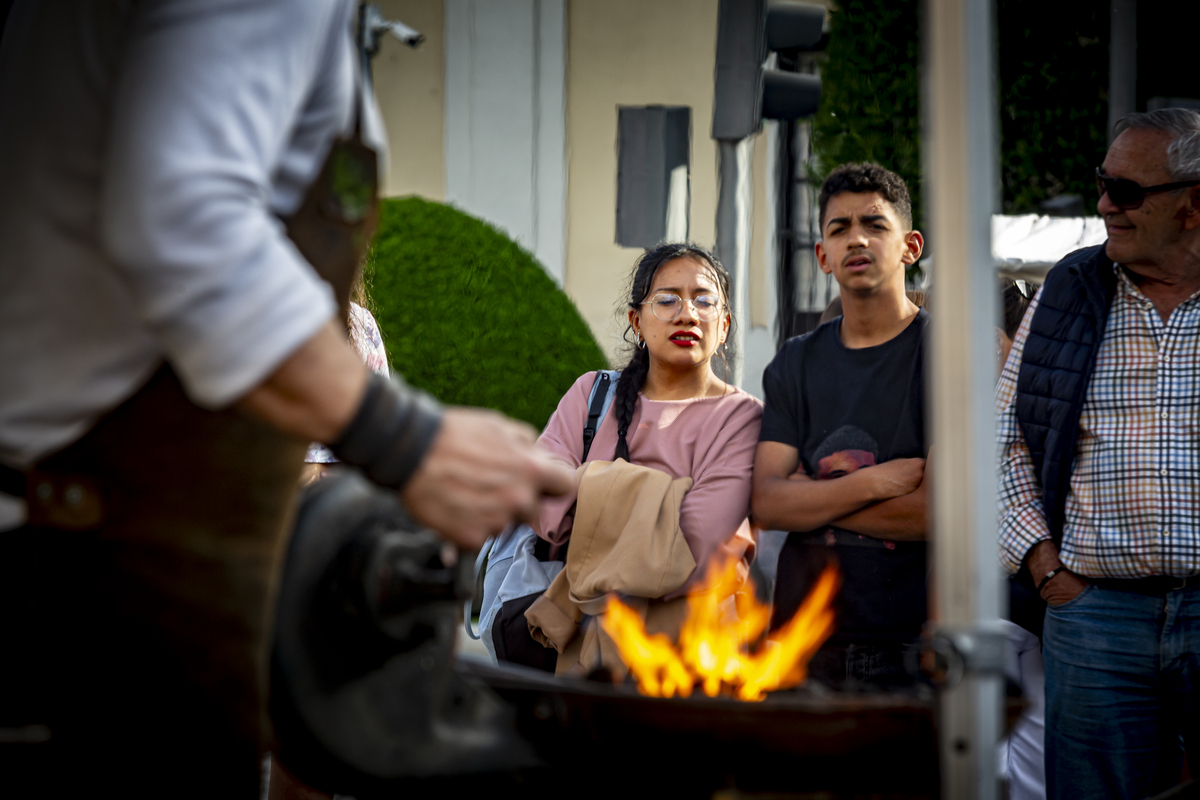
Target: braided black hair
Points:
(633, 376)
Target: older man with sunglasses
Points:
(1099, 440)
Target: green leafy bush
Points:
(1052, 86)
(1053, 100)
(469, 316)
(870, 101)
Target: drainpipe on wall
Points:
(1122, 61)
(733, 241)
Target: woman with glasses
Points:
(671, 411)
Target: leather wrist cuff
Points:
(390, 432)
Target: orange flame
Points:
(718, 652)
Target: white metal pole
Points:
(960, 152)
(734, 206)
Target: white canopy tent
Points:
(1026, 246)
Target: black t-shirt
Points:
(844, 409)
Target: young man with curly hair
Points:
(841, 458)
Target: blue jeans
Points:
(1122, 679)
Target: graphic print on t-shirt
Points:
(847, 450)
(844, 451)
(844, 410)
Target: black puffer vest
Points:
(1056, 368)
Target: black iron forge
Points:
(363, 696)
(369, 700)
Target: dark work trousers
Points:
(1122, 679)
(138, 644)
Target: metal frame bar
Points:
(961, 162)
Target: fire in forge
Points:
(723, 645)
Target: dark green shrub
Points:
(1053, 71)
(1052, 82)
(470, 317)
(870, 104)
(870, 99)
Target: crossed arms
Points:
(885, 501)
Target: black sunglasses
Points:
(1128, 195)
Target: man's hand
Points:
(482, 471)
(891, 478)
(897, 477)
(1063, 587)
(903, 518)
(786, 500)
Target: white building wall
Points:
(505, 119)
(410, 88)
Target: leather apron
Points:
(142, 587)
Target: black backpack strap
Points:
(599, 394)
(474, 605)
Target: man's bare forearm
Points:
(1043, 559)
(314, 393)
(901, 519)
(800, 503)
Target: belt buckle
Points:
(66, 502)
(1178, 583)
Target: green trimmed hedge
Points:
(469, 316)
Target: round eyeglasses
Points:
(667, 307)
(1128, 195)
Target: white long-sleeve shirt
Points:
(146, 151)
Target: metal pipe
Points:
(733, 241)
(962, 175)
(786, 245)
(1122, 61)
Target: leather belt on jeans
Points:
(69, 502)
(1154, 585)
(12, 481)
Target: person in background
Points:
(841, 458)
(1022, 755)
(368, 343)
(1015, 297)
(170, 173)
(670, 411)
(1099, 501)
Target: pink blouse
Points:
(710, 439)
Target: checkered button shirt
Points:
(1133, 509)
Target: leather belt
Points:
(12, 481)
(70, 502)
(1154, 585)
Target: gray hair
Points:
(1183, 154)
